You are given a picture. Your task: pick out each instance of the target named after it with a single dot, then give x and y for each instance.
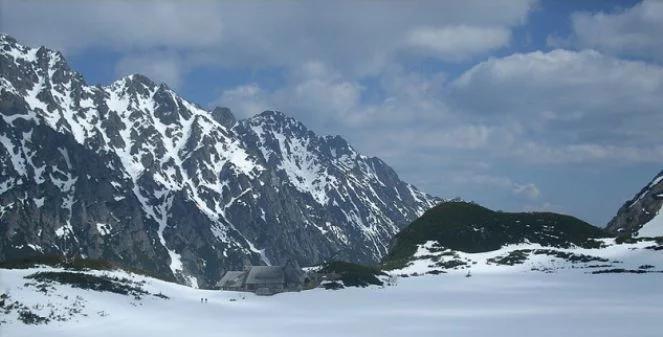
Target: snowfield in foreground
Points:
(517, 303)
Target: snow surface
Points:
(625, 256)
(653, 228)
(487, 304)
(104, 229)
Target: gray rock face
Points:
(639, 210)
(133, 173)
(224, 116)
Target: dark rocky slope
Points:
(640, 210)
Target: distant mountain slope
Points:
(470, 228)
(133, 173)
(641, 216)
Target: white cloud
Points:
(458, 42)
(245, 100)
(361, 37)
(167, 39)
(530, 190)
(570, 106)
(634, 31)
(319, 89)
(72, 26)
(166, 68)
(539, 108)
(617, 154)
(313, 90)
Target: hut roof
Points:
(265, 275)
(233, 279)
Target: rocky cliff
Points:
(133, 173)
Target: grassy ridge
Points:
(353, 275)
(76, 263)
(471, 228)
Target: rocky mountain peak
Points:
(273, 115)
(224, 116)
(4, 38)
(277, 120)
(337, 146)
(135, 84)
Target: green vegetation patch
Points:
(28, 317)
(520, 256)
(116, 285)
(450, 264)
(77, 264)
(512, 258)
(351, 274)
(571, 257)
(57, 261)
(625, 271)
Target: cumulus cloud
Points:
(121, 25)
(570, 106)
(528, 190)
(634, 31)
(160, 67)
(458, 42)
(318, 89)
(245, 100)
(556, 107)
(161, 39)
(617, 154)
(361, 37)
(313, 92)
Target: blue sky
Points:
(519, 105)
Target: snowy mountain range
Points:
(133, 173)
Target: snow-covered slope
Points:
(133, 173)
(511, 302)
(639, 257)
(653, 228)
(641, 216)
